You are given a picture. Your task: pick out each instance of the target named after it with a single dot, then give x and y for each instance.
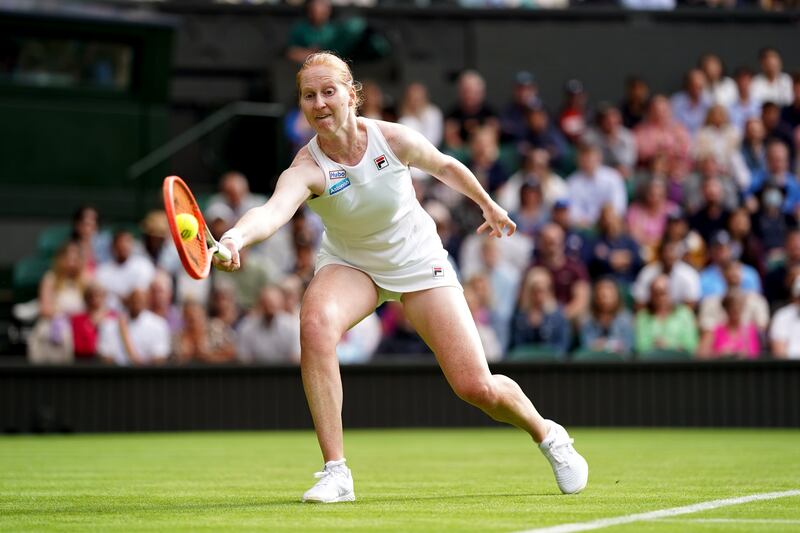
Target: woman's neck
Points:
(346, 145)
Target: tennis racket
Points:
(195, 253)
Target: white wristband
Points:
(235, 235)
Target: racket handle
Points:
(222, 253)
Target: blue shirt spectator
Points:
(690, 106)
(593, 186)
(614, 253)
(609, 326)
(712, 282)
(540, 321)
(777, 176)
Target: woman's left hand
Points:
(496, 221)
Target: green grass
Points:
(406, 480)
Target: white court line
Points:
(728, 520)
(663, 513)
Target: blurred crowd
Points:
(652, 226)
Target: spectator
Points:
(481, 314)
(233, 200)
(540, 320)
(485, 161)
(684, 282)
(86, 325)
(712, 280)
(720, 89)
(691, 244)
(720, 140)
(305, 254)
(776, 175)
(634, 106)
(755, 308)
(223, 306)
(735, 337)
(542, 134)
(613, 253)
(772, 84)
(754, 146)
(647, 216)
(471, 111)
(784, 332)
(158, 246)
(399, 336)
(569, 279)
(445, 228)
(95, 245)
(778, 283)
(744, 107)
(535, 170)
(707, 170)
(502, 281)
(125, 271)
(419, 114)
(513, 120)
(745, 245)
(663, 325)
(372, 102)
(690, 106)
(293, 288)
(572, 118)
(269, 335)
(659, 134)
(161, 298)
(592, 186)
(790, 114)
(201, 339)
(531, 213)
(616, 142)
(609, 326)
(359, 343)
(771, 225)
(138, 337)
(297, 129)
(775, 129)
(575, 239)
(712, 215)
(254, 274)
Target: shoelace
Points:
(324, 477)
(560, 451)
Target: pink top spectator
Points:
(645, 227)
(743, 342)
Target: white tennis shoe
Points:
(335, 484)
(570, 468)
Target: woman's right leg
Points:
(336, 299)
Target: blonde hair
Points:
(331, 60)
(535, 275)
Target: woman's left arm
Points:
(413, 149)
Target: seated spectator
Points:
(540, 320)
(471, 111)
(161, 301)
(722, 141)
(201, 339)
(137, 337)
(158, 246)
(617, 143)
(609, 326)
(778, 283)
(372, 102)
(95, 245)
(254, 274)
(690, 106)
(86, 325)
(784, 332)
(359, 343)
(634, 105)
(572, 117)
(513, 120)
(755, 308)
(269, 335)
(592, 186)
(754, 146)
(660, 134)
(775, 129)
(484, 159)
(502, 281)
(691, 244)
(481, 314)
(790, 114)
(60, 296)
(735, 337)
(293, 289)
(223, 305)
(744, 243)
(541, 133)
(707, 169)
(305, 254)
(297, 129)
(399, 336)
(575, 239)
(771, 225)
(712, 281)
(448, 233)
(720, 89)
(712, 216)
(772, 84)
(683, 280)
(663, 325)
(125, 271)
(535, 170)
(531, 213)
(569, 279)
(744, 107)
(613, 253)
(776, 175)
(419, 114)
(647, 216)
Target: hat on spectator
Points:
(155, 224)
(561, 203)
(573, 86)
(720, 238)
(523, 77)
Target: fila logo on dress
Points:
(381, 162)
(438, 272)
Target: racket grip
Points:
(222, 253)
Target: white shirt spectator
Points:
(723, 92)
(712, 314)
(275, 342)
(778, 91)
(429, 123)
(692, 115)
(588, 195)
(684, 283)
(360, 342)
(740, 112)
(786, 329)
(149, 334)
(119, 279)
(553, 188)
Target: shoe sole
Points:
(351, 497)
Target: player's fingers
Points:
(512, 227)
(483, 227)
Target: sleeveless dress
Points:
(374, 223)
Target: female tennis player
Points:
(379, 244)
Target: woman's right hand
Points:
(231, 265)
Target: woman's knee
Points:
(478, 392)
(319, 328)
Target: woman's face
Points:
(70, 262)
(656, 193)
(86, 225)
(754, 130)
(606, 296)
(733, 308)
(326, 102)
(659, 294)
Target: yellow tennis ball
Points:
(187, 226)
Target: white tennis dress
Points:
(374, 223)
